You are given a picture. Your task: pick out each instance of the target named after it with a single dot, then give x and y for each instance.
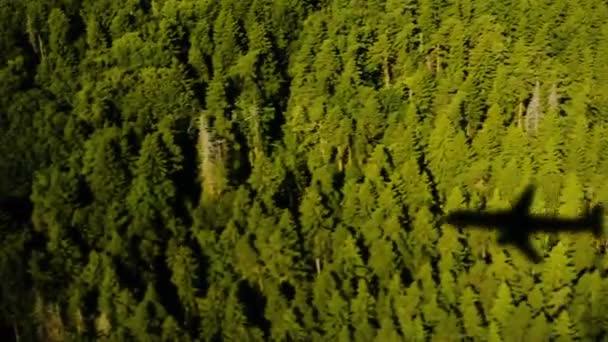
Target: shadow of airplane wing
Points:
(593, 222)
(524, 202)
(472, 219)
(525, 246)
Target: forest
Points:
(277, 170)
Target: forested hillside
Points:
(276, 170)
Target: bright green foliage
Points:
(362, 307)
(386, 332)
(471, 319)
(519, 323)
(549, 159)
(452, 254)
(423, 235)
(184, 273)
(447, 148)
(572, 200)
(564, 329)
(502, 311)
(539, 329)
(558, 270)
(487, 140)
(148, 317)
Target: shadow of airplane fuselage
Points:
(516, 225)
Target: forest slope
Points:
(276, 170)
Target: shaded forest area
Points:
(276, 169)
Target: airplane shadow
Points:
(514, 226)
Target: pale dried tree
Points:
(534, 112)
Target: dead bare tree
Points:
(534, 112)
(212, 154)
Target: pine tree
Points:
(578, 309)
(558, 271)
(535, 299)
(578, 139)
(451, 254)
(572, 202)
(149, 315)
(564, 329)
(471, 317)
(279, 250)
(210, 316)
(549, 158)
(558, 300)
(502, 310)
(226, 36)
(247, 261)
(170, 330)
(448, 329)
(382, 259)
(513, 168)
(184, 268)
(519, 323)
(57, 70)
(387, 331)
(423, 235)
(486, 143)
(362, 311)
(539, 329)
(447, 149)
(314, 224)
(597, 299)
(337, 313)
(234, 323)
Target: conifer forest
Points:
(277, 170)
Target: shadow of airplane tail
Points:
(597, 220)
